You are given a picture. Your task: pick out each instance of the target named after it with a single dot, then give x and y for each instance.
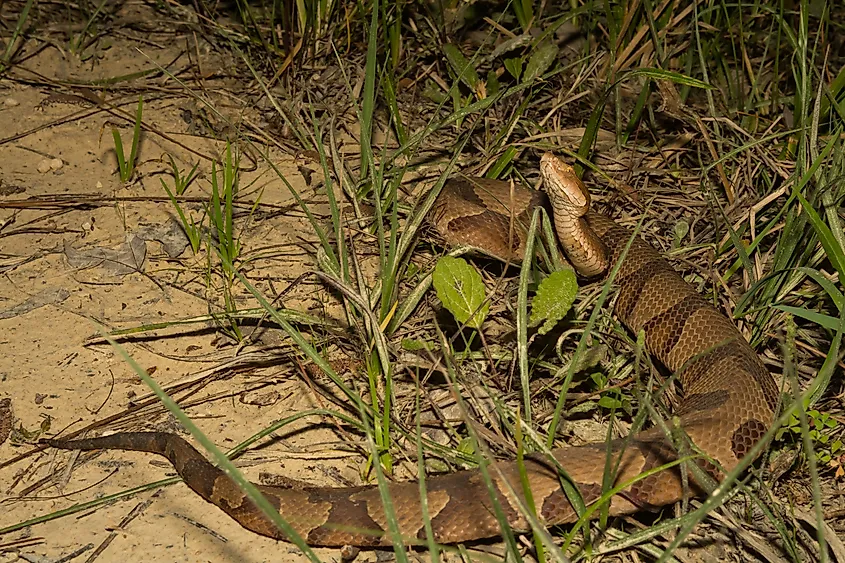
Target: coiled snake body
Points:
(729, 396)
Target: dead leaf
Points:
(49, 296)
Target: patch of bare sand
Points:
(50, 369)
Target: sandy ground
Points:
(67, 268)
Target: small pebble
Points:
(11, 102)
(44, 166)
(56, 164)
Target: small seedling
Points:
(78, 41)
(611, 399)
(221, 209)
(822, 428)
(126, 165)
(221, 240)
(16, 33)
(180, 179)
(191, 228)
(226, 244)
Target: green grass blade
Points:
(17, 32)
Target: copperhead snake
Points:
(729, 396)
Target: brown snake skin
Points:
(729, 396)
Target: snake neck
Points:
(585, 250)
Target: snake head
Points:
(566, 191)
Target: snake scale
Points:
(729, 396)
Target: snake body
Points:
(728, 405)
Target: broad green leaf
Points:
(599, 378)
(554, 298)
(681, 230)
(415, 345)
(466, 447)
(610, 403)
(433, 93)
(514, 66)
(540, 61)
(493, 85)
(461, 290)
(462, 67)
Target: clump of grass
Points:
(81, 40)
(224, 239)
(17, 32)
(126, 163)
(181, 181)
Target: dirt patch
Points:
(86, 251)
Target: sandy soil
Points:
(62, 276)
